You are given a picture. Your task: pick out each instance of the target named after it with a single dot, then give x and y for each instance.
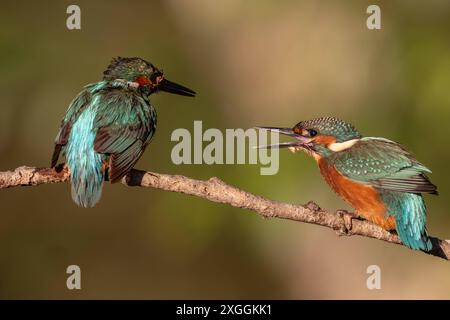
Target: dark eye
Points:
(312, 132)
(155, 74)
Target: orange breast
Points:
(363, 198)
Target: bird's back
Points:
(108, 125)
(383, 182)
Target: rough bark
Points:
(216, 190)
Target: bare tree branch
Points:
(217, 191)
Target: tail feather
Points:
(87, 186)
(410, 215)
(86, 165)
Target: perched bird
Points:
(109, 124)
(379, 178)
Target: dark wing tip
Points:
(432, 188)
(115, 174)
(55, 155)
(415, 184)
(119, 166)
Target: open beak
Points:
(301, 141)
(172, 87)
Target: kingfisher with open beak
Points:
(109, 124)
(378, 177)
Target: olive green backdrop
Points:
(252, 63)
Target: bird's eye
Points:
(312, 132)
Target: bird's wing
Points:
(124, 126)
(385, 165)
(78, 104)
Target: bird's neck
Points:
(322, 151)
(120, 84)
(325, 151)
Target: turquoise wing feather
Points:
(385, 165)
(76, 107)
(400, 180)
(124, 133)
(106, 121)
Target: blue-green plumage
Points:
(379, 178)
(108, 126)
(410, 216)
(399, 178)
(85, 164)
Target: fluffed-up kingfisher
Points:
(378, 177)
(109, 124)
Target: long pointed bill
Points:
(172, 87)
(285, 131)
(278, 145)
(301, 141)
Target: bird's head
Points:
(319, 137)
(143, 74)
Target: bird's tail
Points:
(410, 215)
(87, 186)
(86, 173)
(86, 178)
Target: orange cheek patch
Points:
(143, 81)
(325, 140)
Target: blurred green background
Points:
(252, 63)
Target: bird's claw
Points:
(346, 227)
(60, 167)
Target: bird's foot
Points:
(60, 167)
(346, 227)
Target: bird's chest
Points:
(363, 198)
(147, 114)
(150, 120)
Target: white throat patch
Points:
(341, 146)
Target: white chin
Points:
(295, 149)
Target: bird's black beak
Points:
(301, 141)
(172, 87)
